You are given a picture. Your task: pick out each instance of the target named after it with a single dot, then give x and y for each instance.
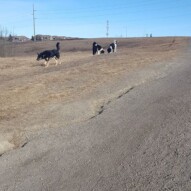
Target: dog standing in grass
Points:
(112, 47)
(97, 49)
(48, 54)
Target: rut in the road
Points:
(105, 103)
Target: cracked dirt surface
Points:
(33, 97)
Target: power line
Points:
(118, 6)
(118, 12)
(34, 26)
(100, 8)
(107, 29)
(143, 11)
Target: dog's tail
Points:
(58, 46)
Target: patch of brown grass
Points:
(26, 85)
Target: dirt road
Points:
(138, 140)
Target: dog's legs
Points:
(56, 61)
(47, 62)
(115, 49)
(59, 62)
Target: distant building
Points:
(40, 37)
(18, 38)
(59, 37)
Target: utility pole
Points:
(107, 29)
(126, 31)
(34, 22)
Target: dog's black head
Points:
(109, 49)
(94, 44)
(94, 48)
(39, 57)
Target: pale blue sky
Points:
(87, 18)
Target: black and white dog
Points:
(48, 54)
(97, 49)
(112, 47)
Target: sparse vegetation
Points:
(33, 97)
(6, 48)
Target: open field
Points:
(33, 97)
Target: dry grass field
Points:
(33, 97)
